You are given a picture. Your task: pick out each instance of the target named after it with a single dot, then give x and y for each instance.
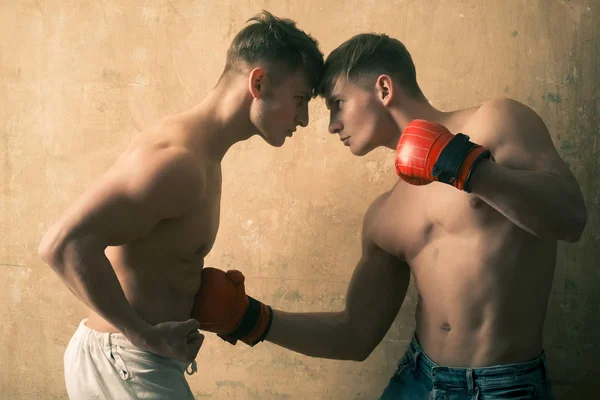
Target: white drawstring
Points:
(194, 369)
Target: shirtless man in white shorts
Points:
(132, 246)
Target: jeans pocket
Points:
(510, 392)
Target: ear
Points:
(256, 82)
(384, 86)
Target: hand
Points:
(179, 340)
(429, 152)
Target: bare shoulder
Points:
(511, 130)
(152, 181)
(518, 137)
(504, 104)
(161, 171)
(380, 230)
(374, 210)
(509, 120)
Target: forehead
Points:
(298, 81)
(343, 88)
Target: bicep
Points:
(108, 215)
(127, 203)
(375, 294)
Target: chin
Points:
(359, 151)
(276, 142)
(271, 141)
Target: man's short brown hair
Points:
(278, 41)
(366, 56)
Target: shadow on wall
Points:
(572, 338)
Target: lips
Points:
(345, 139)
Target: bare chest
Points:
(192, 236)
(412, 217)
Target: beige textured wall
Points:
(79, 79)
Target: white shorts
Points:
(107, 366)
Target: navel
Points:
(445, 327)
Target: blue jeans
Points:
(418, 377)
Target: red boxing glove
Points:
(429, 152)
(222, 307)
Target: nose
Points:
(302, 118)
(335, 126)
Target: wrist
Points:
(138, 331)
(458, 160)
(255, 324)
(478, 175)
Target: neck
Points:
(221, 119)
(411, 109)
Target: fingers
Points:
(193, 348)
(190, 325)
(194, 335)
(187, 350)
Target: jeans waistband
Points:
(532, 371)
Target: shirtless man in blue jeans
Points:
(482, 199)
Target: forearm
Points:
(90, 276)
(323, 335)
(540, 203)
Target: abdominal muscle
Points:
(482, 296)
(159, 287)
